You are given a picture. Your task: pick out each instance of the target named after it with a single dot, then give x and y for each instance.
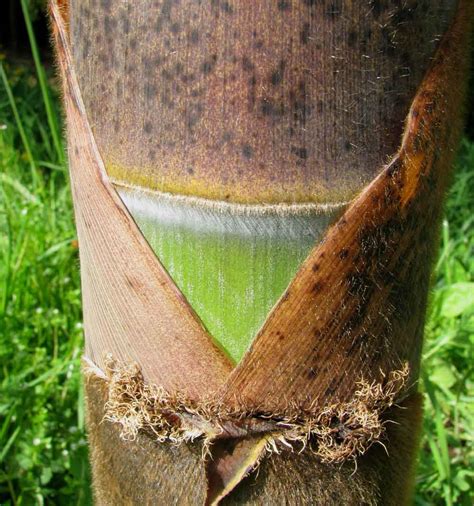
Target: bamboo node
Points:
(335, 433)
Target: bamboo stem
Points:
(340, 349)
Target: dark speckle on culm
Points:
(226, 136)
(227, 8)
(194, 37)
(148, 127)
(206, 67)
(277, 75)
(272, 110)
(304, 34)
(318, 286)
(175, 28)
(344, 253)
(312, 372)
(283, 5)
(247, 151)
(166, 8)
(247, 64)
(300, 152)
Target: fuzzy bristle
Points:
(335, 433)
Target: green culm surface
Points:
(231, 265)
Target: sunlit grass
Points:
(43, 451)
(446, 471)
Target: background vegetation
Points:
(43, 450)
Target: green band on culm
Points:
(232, 262)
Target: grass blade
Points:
(50, 114)
(19, 123)
(9, 443)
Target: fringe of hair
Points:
(336, 433)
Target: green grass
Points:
(43, 451)
(446, 468)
